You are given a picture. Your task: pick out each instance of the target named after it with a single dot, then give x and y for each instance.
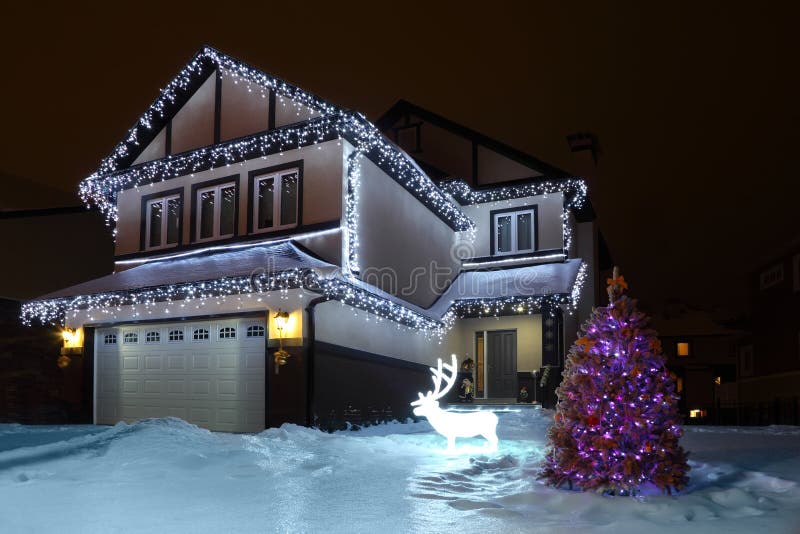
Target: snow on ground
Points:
(165, 475)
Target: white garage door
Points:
(210, 373)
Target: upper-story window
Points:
(163, 222)
(514, 230)
(275, 201)
(216, 211)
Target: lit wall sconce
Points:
(73, 346)
(281, 321)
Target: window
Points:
(200, 334)
(162, 220)
(227, 332)
(514, 231)
(682, 348)
(275, 202)
(175, 335)
(216, 212)
(130, 337)
(771, 277)
(255, 330)
(152, 336)
(110, 339)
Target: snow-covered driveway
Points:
(165, 475)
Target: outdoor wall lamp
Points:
(73, 346)
(281, 320)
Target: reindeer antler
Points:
(438, 375)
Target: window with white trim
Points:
(255, 330)
(153, 336)
(130, 337)
(162, 221)
(175, 336)
(200, 334)
(110, 339)
(227, 332)
(275, 200)
(514, 231)
(216, 212)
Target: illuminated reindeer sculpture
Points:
(449, 424)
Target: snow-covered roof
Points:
(531, 281)
(263, 259)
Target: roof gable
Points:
(203, 71)
(457, 151)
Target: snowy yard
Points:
(165, 475)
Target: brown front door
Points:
(501, 364)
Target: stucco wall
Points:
(244, 110)
(322, 187)
(403, 244)
(193, 125)
(348, 327)
(461, 339)
(550, 230)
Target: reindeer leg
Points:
(492, 438)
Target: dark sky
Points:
(695, 104)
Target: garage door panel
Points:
(214, 383)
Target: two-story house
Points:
(253, 219)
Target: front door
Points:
(501, 364)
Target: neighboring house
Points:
(253, 219)
(769, 362)
(702, 354)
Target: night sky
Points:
(695, 104)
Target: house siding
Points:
(323, 167)
(402, 243)
(550, 231)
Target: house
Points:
(769, 361)
(280, 259)
(701, 352)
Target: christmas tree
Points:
(616, 423)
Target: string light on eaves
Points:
(54, 311)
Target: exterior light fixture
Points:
(281, 321)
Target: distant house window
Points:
(683, 348)
(175, 335)
(200, 334)
(255, 330)
(514, 231)
(275, 204)
(227, 332)
(130, 337)
(216, 212)
(162, 220)
(152, 336)
(110, 339)
(771, 277)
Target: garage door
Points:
(209, 373)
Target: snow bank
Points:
(165, 475)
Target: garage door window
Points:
(175, 336)
(152, 337)
(227, 332)
(255, 330)
(110, 339)
(200, 334)
(130, 337)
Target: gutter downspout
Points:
(310, 356)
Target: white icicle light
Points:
(453, 425)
